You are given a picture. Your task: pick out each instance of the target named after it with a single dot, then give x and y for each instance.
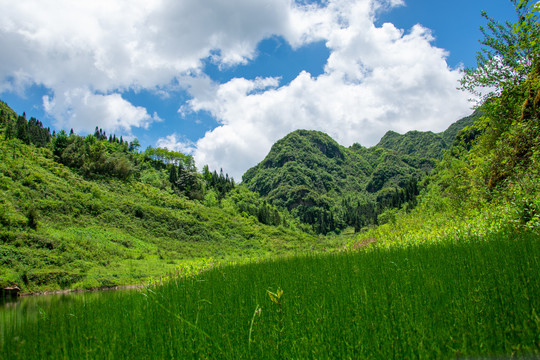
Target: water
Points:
(25, 309)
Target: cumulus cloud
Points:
(107, 47)
(83, 110)
(175, 142)
(376, 79)
(88, 52)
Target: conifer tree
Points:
(10, 131)
(173, 177)
(21, 129)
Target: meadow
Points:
(463, 296)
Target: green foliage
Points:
(60, 143)
(509, 54)
(497, 155)
(452, 134)
(211, 199)
(21, 130)
(85, 212)
(222, 184)
(170, 157)
(250, 205)
(95, 158)
(416, 143)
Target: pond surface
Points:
(23, 309)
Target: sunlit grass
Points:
(466, 297)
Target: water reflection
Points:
(15, 311)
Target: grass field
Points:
(461, 297)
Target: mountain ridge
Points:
(311, 175)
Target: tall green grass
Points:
(460, 297)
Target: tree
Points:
(134, 145)
(173, 176)
(21, 129)
(60, 143)
(207, 175)
(10, 131)
(38, 135)
(171, 157)
(509, 63)
(509, 54)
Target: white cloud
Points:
(83, 110)
(88, 52)
(174, 142)
(108, 46)
(376, 79)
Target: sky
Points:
(223, 80)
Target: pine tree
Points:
(60, 143)
(207, 176)
(10, 131)
(21, 129)
(173, 177)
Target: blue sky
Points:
(225, 80)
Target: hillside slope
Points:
(65, 227)
(331, 187)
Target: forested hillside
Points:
(94, 211)
(426, 144)
(332, 187)
(489, 180)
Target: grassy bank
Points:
(459, 297)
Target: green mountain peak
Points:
(311, 175)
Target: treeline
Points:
(108, 156)
(28, 131)
(355, 210)
(222, 184)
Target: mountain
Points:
(330, 187)
(426, 144)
